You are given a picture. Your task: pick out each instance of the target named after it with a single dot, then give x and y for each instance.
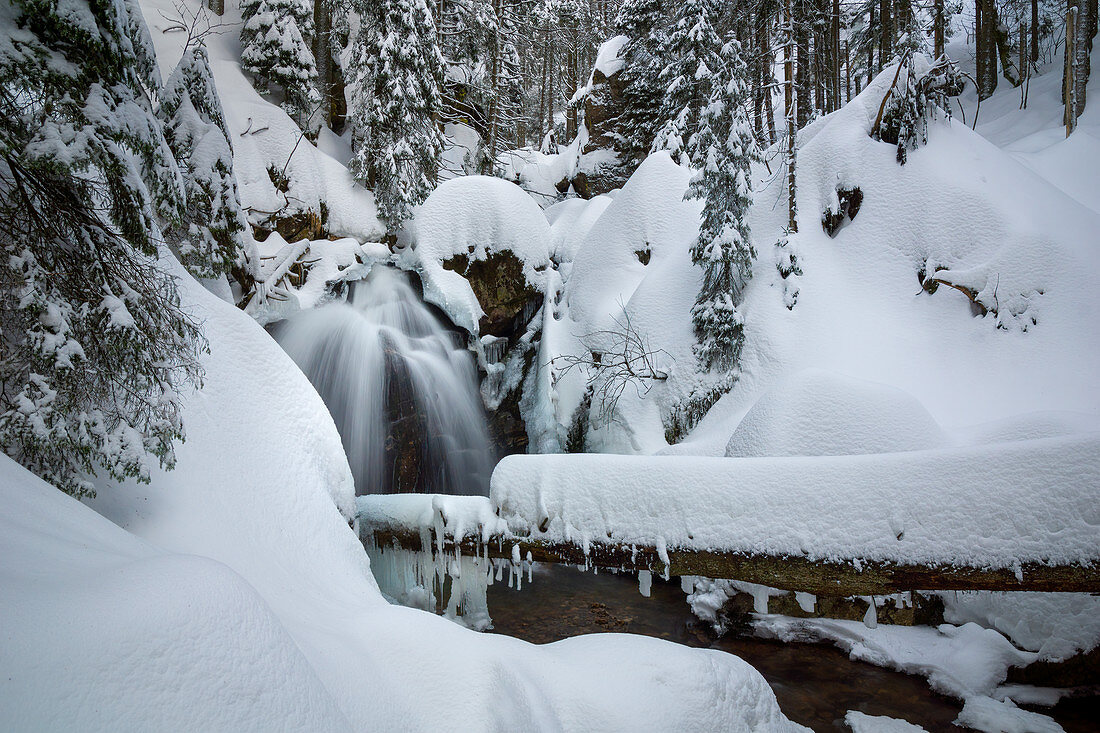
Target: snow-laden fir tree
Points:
(94, 344)
(276, 37)
(692, 55)
(722, 151)
(641, 21)
(398, 72)
(209, 238)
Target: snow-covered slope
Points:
(961, 209)
(263, 136)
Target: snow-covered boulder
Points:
(479, 219)
(818, 413)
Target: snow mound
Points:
(1055, 625)
(961, 661)
(993, 716)
(475, 216)
(103, 631)
(608, 60)
(863, 723)
(818, 413)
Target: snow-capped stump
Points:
(482, 246)
(818, 413)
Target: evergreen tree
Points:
(722, 151)
(399, 72)
(208, 241)
(276, 37)
(642, 21)
(691, 52)
(94, 345)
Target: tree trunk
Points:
(1069, 86)
(802, 70)
(886, 42)
(847, 73)
(998, 44)
(790, 100)
(938, 27)
(871, 69)
(322, 56)
(1035, 31)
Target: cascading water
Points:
(402, 392)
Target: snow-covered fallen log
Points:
(1019, 516)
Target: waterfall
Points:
(401, 388)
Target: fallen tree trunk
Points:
(847, 577)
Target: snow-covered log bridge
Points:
(1015, 516)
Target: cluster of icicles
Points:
(450, 584)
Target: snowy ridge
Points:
(991, 506)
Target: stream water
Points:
(815, 684)
(400, 386)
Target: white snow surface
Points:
(104, 631)
(815, 413)
(475, 216)
(981, 506)
(994, 716)
(608, 60)
(960, 661)
(863, 723)
(1056, 625)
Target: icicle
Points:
(687, 584)
(806, 601)
(760, 599)
(870, 619)
(645, 582)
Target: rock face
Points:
(501, 289)
(509, 302)
(602, 166)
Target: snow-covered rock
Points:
(475, 217)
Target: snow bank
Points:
(991, 506)
(1055, 625)
(816, 413)
(103, 631)
(475, 216)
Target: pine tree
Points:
(722, 151)
(692, 55)
(94, 342)
(208, 240)
(399, 71)
(276, 37)
(642, 21)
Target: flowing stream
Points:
(401, 387)
(815, 684)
